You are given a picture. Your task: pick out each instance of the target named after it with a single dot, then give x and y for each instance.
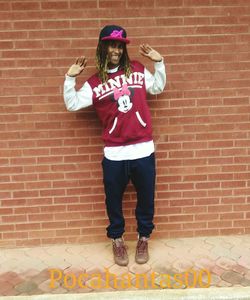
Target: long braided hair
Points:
(102, 60)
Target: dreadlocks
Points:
(102, 60)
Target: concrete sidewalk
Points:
(177, 267)
(190, 294)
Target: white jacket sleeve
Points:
(75, 100)
(155, 83)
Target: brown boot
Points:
(141, 255)
(120, 252)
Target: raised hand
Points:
(77, 67)
(149, 52)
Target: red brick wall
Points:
(51, 180)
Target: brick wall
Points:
(51, 180)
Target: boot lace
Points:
(142, 246)
(119, 249)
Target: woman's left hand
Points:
(149, 52)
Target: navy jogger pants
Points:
(116, 175)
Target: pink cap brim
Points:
(110, 38)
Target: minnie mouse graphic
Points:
(124, 104)
(123, 99)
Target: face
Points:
(114, 52)
(124, 104)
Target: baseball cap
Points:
(113, 33)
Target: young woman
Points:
(118, 93)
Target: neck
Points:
(113, 69)
(112, 66)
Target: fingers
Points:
(81, 61)
(145, 48)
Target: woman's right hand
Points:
(77, 67)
